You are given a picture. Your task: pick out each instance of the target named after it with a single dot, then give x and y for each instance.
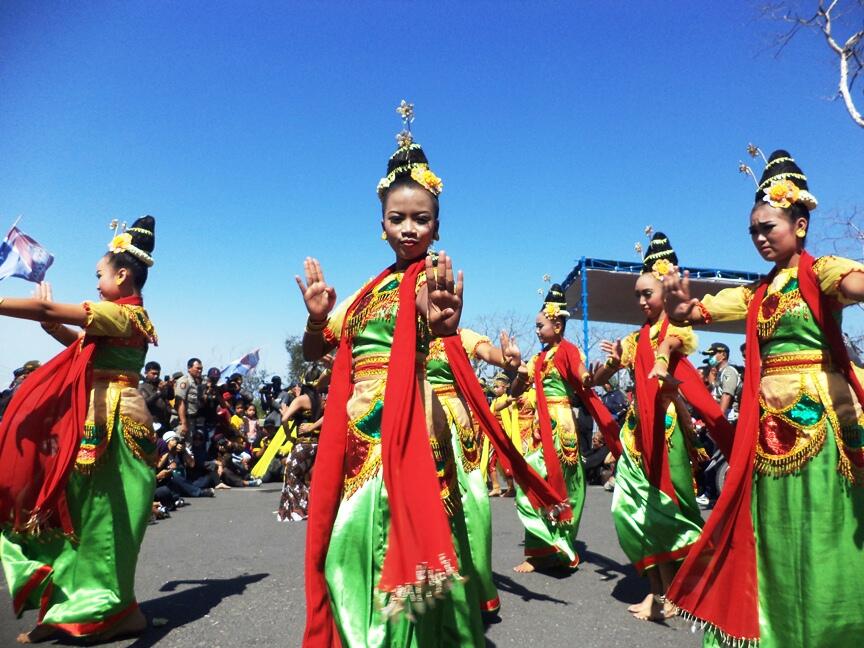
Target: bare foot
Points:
(37, 634)
(644, 604)
(654, 612)
(669, 610)
(129, 626)
(495, 492)
(525, 567)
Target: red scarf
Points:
(541, 495)
(568, 362)
(718, 581)
(39, 438)
(419, 545)
(653, 437)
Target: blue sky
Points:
(256, 132)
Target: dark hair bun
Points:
(405, 157)
(143, 232)
(555, 295)
(780, 166)
(658, 248)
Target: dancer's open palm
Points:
(444, 304)
(319, 297)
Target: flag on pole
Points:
(244, 365)
(21, 256)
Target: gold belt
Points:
(445, 390)
(557, 400)
(374, 366)
(796, 362)
(125, 378)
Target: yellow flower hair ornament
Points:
(662, 268)
(553, 311)
(120, 243)
(423, 176)
(782, 193)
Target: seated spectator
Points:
(270, 426)
(599, 463)
(251, 431)
(231, 473)
(178, 460)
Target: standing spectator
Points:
(189, 392)
(727, 382)
(157, 395)
(615, 401)
(210, 397)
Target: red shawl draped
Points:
(718, 581)
(419, 545)
(39, 438)
(568, 362)
(539, 492)
(653, 438)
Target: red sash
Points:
(717, 583)
(39, 438)
(419, 545)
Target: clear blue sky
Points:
(256, 133)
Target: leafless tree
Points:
(829, 17)
(516, 323)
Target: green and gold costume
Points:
(807, 501)
(542, 538)
(84, 584)
(652, 528)
(467, 446)
(357, 543)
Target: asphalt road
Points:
(222, 573)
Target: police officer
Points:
(189, 394)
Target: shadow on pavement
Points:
(190, 604)
(630, 588)
(507, 584)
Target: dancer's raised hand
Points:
(676, 295)
(614, 350)
(319, 297)
(510, 350)
(444, 303)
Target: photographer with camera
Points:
(157, 394)
(172, 467)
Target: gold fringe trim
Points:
(845, 467)
(84, 464)
(377, 306)
(725, 638)
(792, 462)
(133, 431)
(790, 303)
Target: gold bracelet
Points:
(313, 327)
(662, 357)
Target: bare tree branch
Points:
(849, 52)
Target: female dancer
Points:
(654, 506)
(559, 375)
(377, 516)
(76, 455)
(302, 416)
(467, 447)
(779, 558)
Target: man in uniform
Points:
(728, 380)
(189, 398)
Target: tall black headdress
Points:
(409, 160)
(555, 305)
(138, 241)
(659, 258)
(783, 183)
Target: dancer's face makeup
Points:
(548, 331)
(649, 295)
(409, 222)
(773, 233)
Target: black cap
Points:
(213, 373)
(715, 348)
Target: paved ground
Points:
(222, 573)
